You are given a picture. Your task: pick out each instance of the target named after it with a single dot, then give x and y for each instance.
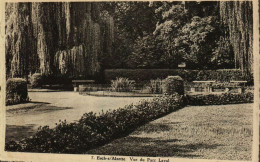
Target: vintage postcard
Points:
(140, 81)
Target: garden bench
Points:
(76, 83)
(238, 81)
(240, 88)
(207, 83)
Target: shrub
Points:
(140, 75)
(94, 130)
(16, 91)
(36, 80)
(122, 85)
(51, 81)
(173, 84)
(155, 86)
(222, 99)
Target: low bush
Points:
(216, 85)
(155, 86)
(173, 84)
(220, 99)
(94, 130)
(16, 91)
(122, 85)
(36, 80)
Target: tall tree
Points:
(133, 20)
(60, 38)
(189, 31)
(238, 16)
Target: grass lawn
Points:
(206, 132)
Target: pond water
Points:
(47, 108)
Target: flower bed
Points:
(119, 94)
(155, 86)
(94, 130)
(122, 85)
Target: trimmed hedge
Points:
(16, 91)
(173, 84)
(94, 130)
(222, 75)
(140, 75)
(222, 99)
(36, 80)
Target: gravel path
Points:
(48, 108)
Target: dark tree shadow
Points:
(138, 146)
(37, 107)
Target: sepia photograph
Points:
(130, 81)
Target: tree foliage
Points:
(199, 37)
(239, 20)
(185, 32)
(132, 21)
(147, 53)
(201, 34)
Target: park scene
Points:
(156, 79)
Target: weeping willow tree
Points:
(238, 17)
(66, 38)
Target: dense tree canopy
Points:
(166, 34)
(133, 20)
(62, 39)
